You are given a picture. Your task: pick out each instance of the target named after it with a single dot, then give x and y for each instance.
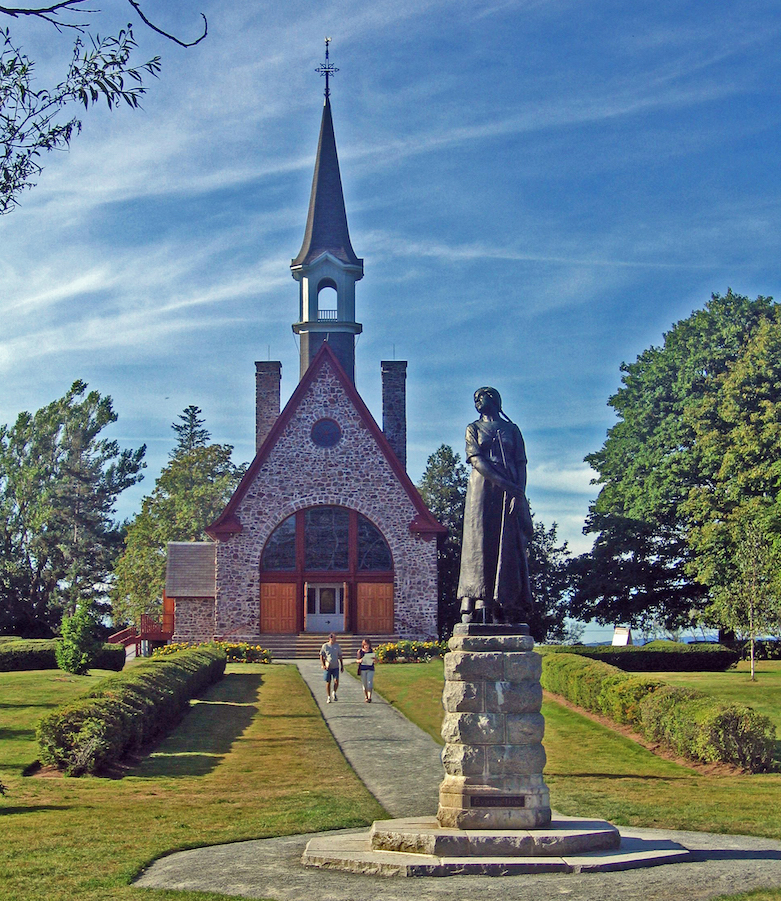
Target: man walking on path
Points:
(332, 663)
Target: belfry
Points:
(326, 531)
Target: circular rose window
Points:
(326, 433)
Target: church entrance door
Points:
(324, 607)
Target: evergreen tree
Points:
(551, 581)
(443, 489)
(59, 481)
(190, 432)
(190, 493)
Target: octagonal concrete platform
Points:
(419, 847)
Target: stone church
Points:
(326, 531)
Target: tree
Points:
(189, 495)
(551, 580)
(751, 604)
(190, 432)
(34, 120)
(443, 489)
(644, 564)
(59, 481)
(80, 643)
(738, 433)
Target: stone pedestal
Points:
(493, 731)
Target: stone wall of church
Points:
(354, 473)
(193, 619)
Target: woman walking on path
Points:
(366, 662)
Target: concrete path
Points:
(400, 766)
(375, 738)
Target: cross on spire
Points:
(327, 68)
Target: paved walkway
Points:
(400, 765)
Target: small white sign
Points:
(622, 636)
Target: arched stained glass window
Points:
(328, 540)
(327, 531)
(373, 552)
(279, 554)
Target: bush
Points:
(410, 651)
(79, 646)
(656, 656)
(686, 721)
(41, 653)
(126, 711)
(236, 652)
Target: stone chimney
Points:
(394, 406)
(267, 378)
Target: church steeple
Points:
(327, 261)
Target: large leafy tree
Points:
(190, 493)
(59, 480)
(35, 119)
(659, 464)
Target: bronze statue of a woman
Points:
(494, 580)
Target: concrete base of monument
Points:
(421, 847)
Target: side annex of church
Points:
(326, 531)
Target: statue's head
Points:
(488, 397)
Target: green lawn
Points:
(253, 759)
(764, 695)
(594, 771)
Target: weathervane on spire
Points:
(327, 69)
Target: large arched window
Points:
(330, 537)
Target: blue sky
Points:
(538, 189)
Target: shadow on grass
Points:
(207, 731)
(7, 810)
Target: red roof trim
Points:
(228, 523)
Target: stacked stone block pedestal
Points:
(493, 729)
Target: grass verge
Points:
(253, 758)
(595, 771)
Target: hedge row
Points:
(685, 721)
(40, 653)
(123, 713)
(656, 656)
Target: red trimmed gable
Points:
(228, 523)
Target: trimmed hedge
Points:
(686, 721)
(656, 656)
(123, 713)
(40, 653)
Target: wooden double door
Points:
(367, 607)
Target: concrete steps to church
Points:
(307, 644)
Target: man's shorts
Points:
(331, 674)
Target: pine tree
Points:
(190, 432)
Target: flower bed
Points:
(410, 651)
(236, 652)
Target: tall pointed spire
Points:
(326, 224)
(327, 258)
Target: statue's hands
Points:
(511, 508)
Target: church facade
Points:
(326, 531)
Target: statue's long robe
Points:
(484, 513)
